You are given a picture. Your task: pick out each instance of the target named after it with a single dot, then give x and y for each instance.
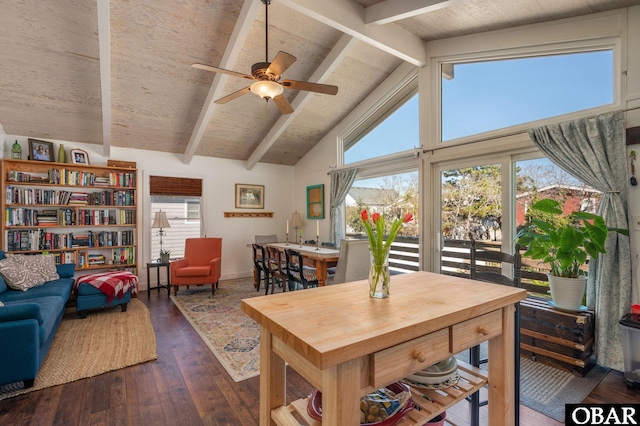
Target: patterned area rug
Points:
(106, 340)
(232, 336)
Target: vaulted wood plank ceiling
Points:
(51, 84)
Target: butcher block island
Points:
(347, 344)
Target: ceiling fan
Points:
(266, 76)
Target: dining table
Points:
(318, 257)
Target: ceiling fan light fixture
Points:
(267, 89)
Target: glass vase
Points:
(379, 277)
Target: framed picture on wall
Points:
(249, 196)
(315, 202)
(41, 150)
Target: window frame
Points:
(434, 139)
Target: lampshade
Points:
(267, 89)
(160, 220)
(296, 222)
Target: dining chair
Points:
(260, 270)
(277, 270)
(353, 262)
(265, 239)
(298, 275)
(500, 268)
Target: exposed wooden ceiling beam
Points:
(349, 17)
(338, 52)
(104, 46)
(390, 11)
(243, 25)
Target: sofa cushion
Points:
(61, 287)
(17, 276)
(48, 310)
(66, 270)
(193, 271)
(2, 254)
(16, 311)
(3, 285)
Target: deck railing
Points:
(455, 261)
(404, 255)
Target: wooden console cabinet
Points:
(347, 344)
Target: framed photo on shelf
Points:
(249, 196)
(79, 156)
(41, 150)
(315, 202)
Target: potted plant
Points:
(165, 255)
(564, 242)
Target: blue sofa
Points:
(28, 322)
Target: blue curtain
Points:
(594, 151)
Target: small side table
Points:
(158, 265)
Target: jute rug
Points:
(104, 341)
(546, 389)
(232, 336)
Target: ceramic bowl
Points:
(437, 373)
(314, 408)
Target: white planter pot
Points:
(567, 293)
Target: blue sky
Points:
(491, 95)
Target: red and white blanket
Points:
(113, 284)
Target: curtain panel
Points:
(341, 182)
(594, 151)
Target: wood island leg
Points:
(502, 373)
(272, 379)
(341, 394)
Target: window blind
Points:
(165, 185)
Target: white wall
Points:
(219, 179)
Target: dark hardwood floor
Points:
(188, 386)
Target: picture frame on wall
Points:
(78, 156)
(249, 196)
(315, 202)
(41, 150)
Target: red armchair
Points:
(200, 265)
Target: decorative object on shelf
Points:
(165, 255)
(296, 223)
(379, 276)
(564, 242)
(160, 222)
(16, 151)
(248, 214)
(122, 164)
(41, 150)
(78, 156)
(249, 196)
(315, 202)
(61, 155)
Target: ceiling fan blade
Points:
(283, 104)
(310, 87)
(223, 71)
(233, 96)
(281, 62)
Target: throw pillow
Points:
(42, 264)
(17, 276)
(1, 304)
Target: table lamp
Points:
(296, 222)
(160, 221)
